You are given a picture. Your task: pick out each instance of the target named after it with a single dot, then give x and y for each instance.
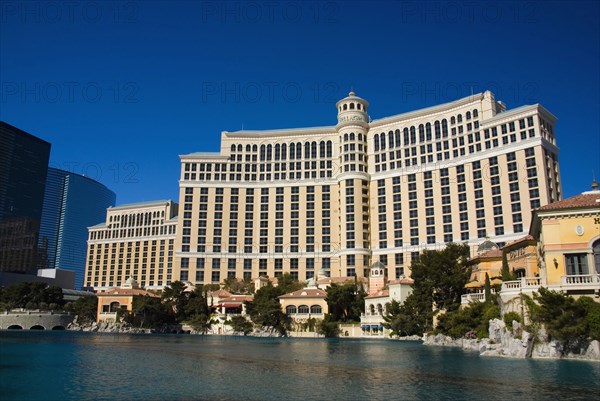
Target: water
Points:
(86, 366)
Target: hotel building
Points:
(137, 240)
(341, 197)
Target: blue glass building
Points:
(72, 203)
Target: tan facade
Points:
(304, 304)
(138, 241)
(568, 249)
(341, 197)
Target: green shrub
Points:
(509, 317)
(470, 322)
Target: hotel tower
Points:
(338, 198)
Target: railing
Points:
(523, 284)
(371, 319)
(581, 281)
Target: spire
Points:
(595, 184)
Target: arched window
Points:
(421, 133)
(596, 250)
(292, 151)
(459, 118)
(376, 141)
(352, 137)
(316, 309)
(397, 134)
(303, 309)
(248, 148)
(475, 113)
(406, 136)
(306, 150)
(277, 151)
(254, 148)
(283, 151)
(269, 152)
(240, 148)
(445, 128)
(452, 120)
(428, 131)
(358, 106)
(468, 115)
(322, 149)
(115, 306)
(290, 310)
(313, 150)
(382, 141)
(360, 137)
(329, 149)
(345, 107)
(262, 152)
(233, 148)
(379, 309)
(346, 137)
(438, 131)
(413, 135)
(351, 106)
(391, 139)
(372, 309)
(298, 151)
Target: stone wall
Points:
(40, 320)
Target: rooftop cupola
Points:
(352, 110)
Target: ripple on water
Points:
(82, 366)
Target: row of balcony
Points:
(530, 284)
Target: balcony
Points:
(522, 285)
(479, 296)
(581, 282)
(371, 319)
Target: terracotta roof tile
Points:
(379, 294)
(405, 280)
(584, 200)
(306, 293)
(127, 292)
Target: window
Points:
(596, 250)
(303, 309)
(576, 264)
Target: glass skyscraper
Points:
(72, 203)
(23, 167)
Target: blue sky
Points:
(121, 89)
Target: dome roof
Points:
(486, 246)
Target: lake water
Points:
(86, 366)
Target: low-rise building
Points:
(304, 304)
(111, 301)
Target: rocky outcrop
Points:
(515, 343)
(105, 327)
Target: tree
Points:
(150, 312)
(345, 302)
(265, 310)
(86, 308)
(472, 321)
(31, 296)
(174, 295)
(487, 288)
(506, 274)
(240, 324)
(286, 284)
(235, 286)
(201, 323)
(439, 279)
(405, 319)
(571, 322)
(328, 327)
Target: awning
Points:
(496, 281)
(474, 284)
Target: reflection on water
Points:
(83, 366)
